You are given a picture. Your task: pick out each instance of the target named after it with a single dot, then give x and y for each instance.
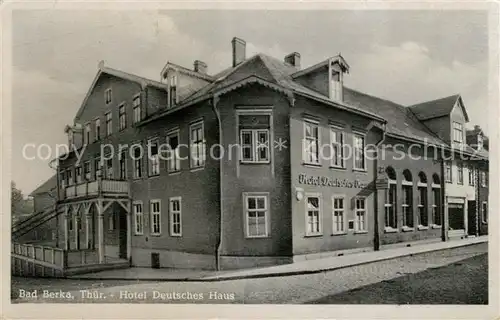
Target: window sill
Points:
(196, 169)
(257, 237)
(361, 232)
(390, 230)
(254, 162)
(359, 170)
(138, 234)
(339, 233)
(313, 235)
(312, 165)
(337, 168)
(407, 229)
(155, 234)
(435, 226)
(176, 235)
(173, 173)
(154, 176)
(422, 227)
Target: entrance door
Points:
(122, 235)
(456, 216)
(471, 218)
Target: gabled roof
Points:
(335, 59)
(144, 82)
(187, 71)
(437, 108)
(403, 122)
(46, 187)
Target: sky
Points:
(403, 56)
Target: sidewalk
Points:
(303, 267)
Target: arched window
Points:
(436, 200)
(390, 200)
(407, 205)
(423, 220)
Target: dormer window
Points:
(336, 86)
(458, 132)
(480, 141)
(108, 96)
(173, 91)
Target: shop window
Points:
(197, 143)
(175, 216)
(155, 210)
(360, 215)
(138, 217)
(337, 141)
(174, 161)
(338, 214)
(407, 205)
(256, 215)
(311, 142)
(313, 215)
(254, 137)
(390, 200)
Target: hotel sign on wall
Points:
(330, 182)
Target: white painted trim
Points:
(151, 217)
(267, 211)
(344, 213)
(170, 216)
(192, 125)
(320, 213)
(314, 123)
(135, 214)
(356, 230)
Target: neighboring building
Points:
(279, 196)
(45, 195)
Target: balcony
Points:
(103, 187)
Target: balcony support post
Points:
(100, 228)
(88, 217)
(66, 218)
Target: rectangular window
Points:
(86, 137)
(108, 96)
(97, 134)
(360, 215)
(436, 206)
(338, 214)
(197, 141)
(62, 179)
(447, 172)
(337, 141)
(153, 158)
(483, 179)
(390, 206)
(138, 218)
(109, 169)
(336, 87)
(458, 135)
(111, 221)
(122, 158)
(422, 206)
(122, 117)
(359, 152)
(109, 123)
(174, 162)
(137, 109)
(86, 170)
(484, 212)
(407, 206)
(70, 223)
(155, 217)
(97, 167)
(138, 154)
(256, 215)
(78, 174)
(311, 143)
(471, 176)
(313, 218)
(175, 205)
(460, 173)
(254, 137)
(69, 176)
(173, 91)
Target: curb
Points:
(273, 274)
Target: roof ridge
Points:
(106, 68)
(456, 96)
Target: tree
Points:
(16, 197)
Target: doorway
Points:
(456, 216)
(122, 235)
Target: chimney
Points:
(239, 51)
(200, 66)
(293, 59)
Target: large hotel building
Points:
(263, 163)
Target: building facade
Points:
(263, 163)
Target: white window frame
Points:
(435, 207)
(108, 171)
(422, 205)
(122, 155)
(136, 107)
(458, 132)
(343, 215)
(448, 167)
(98, 168)
(357, 228)
(172, 214)
(471, 176)
(69, 176)
(122, 117)
(255, 146)
(154, 161)
(247, 210)
(97, 129)
(109, 123)
(320, 215)
(153, 214)
(88, 174)
(406, 208)
(484, 212)
(197, 151)
(361, 135)
(337, 160)
(138, 217)
(86, 136)
(307, 140)
(393, 205)
(174, 161)
(108, 96)
(460, 173)
(141, 161)
(78, 174)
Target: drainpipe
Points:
(213, 103)
(376, 235)
(444, 223)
